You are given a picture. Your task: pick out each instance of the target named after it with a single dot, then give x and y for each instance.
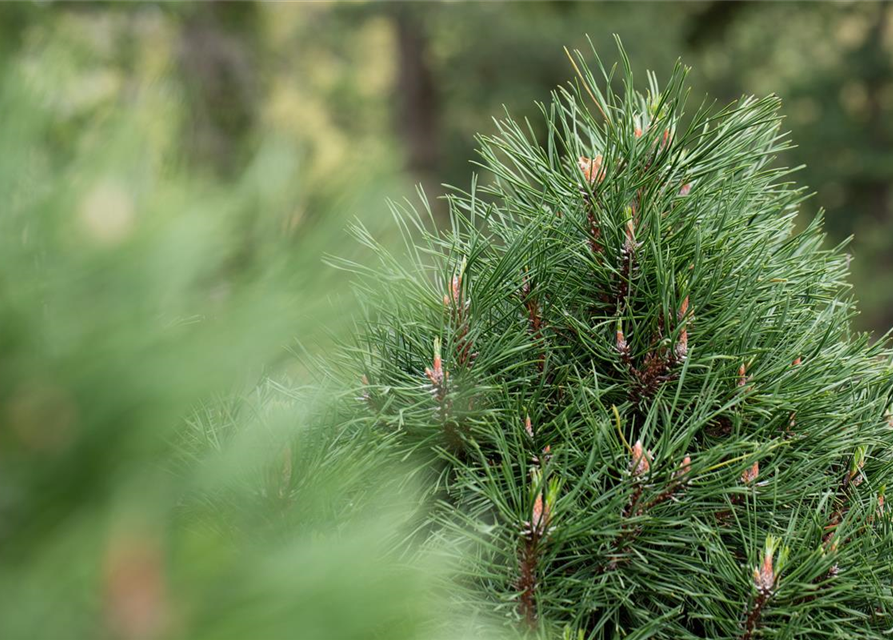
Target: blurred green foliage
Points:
(394, 92)
(171, 177)
(164, 470)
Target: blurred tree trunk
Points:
(417, 98)
(218, 62)
(874, 185)
(876, 189)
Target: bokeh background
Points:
(366, 99)
(172, 177)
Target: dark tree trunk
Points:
(219, 70)
(417, 98)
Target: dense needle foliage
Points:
(633, 372)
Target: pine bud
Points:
(528, 427)
(591, 168)
(854, 477)
(685, 189)
(751, 473)
(622, 346)
(683, 309)
(684, 468)
(641, 460)
(540, 514)
(630, 244)
(796, 361)
(742, 374)
(682, 345)
(435, 372)
(455, 288)
(764, 575)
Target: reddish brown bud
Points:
(680, 474)
(685, 189)
(435, 372)
(630, 235)
(796, 361)
(541, 514)
(764, 577)
(682, 345)
(591, 168)
(538, 513)
(528, 427)
(638, 132)
(742, 375)
(751, 473)
(641, 460)
(622, 346)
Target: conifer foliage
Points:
(633, 372)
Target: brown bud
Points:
(456, 287)
(641, 460)
(685, 467)
(751, 473)
(680, 475)
(622, 346)
(685, 189)
(630, 244)
(682, 345)
(541, 515)
(435, 372)
(591, 168)
(764, 577)
(528, 427)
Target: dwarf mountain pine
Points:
(633, 370)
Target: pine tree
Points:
(633, 373)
